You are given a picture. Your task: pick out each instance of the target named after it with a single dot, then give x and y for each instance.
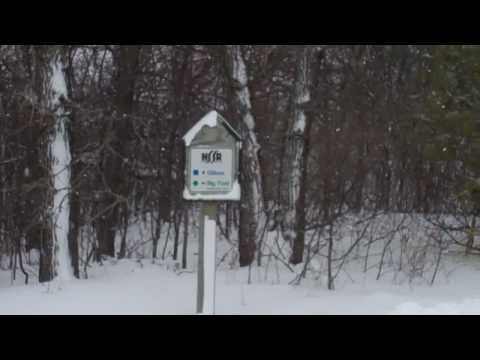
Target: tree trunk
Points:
(61, 160)
(331, 280)
(294, 227)
(156, 238)
(3, 185)
(74, 232)
(46, 267)
(185, 239)
(40, 231)
(471, 236)
(75, 205)
(123, 245)
(252, 215)
(177, 220)
(126, 60)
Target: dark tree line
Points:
(328, 131)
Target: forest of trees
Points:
(329, 131)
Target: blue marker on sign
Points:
(196, 173)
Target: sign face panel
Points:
(212, 161)
(211, 170)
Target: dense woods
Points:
(330, 133)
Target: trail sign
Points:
(213, 149)
(212, 171)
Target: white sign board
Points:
(211, 170)
(212, 160)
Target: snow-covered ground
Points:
(130, 287)
(141, 287)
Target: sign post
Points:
(207, 260)
(212, 172)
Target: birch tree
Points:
(294, 224)
(252, 215)
(61, 160)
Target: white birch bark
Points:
(60, 170)
(296, 144)
(251, 144)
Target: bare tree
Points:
(117, 137)
(297, 153)
(252, 208)
(61, 160)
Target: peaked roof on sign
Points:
(229, 127)
(212, 119)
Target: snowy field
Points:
(137, 288)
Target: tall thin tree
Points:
(61, 160)
(295, 222)
(252, 217)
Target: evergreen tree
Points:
(452, 119)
